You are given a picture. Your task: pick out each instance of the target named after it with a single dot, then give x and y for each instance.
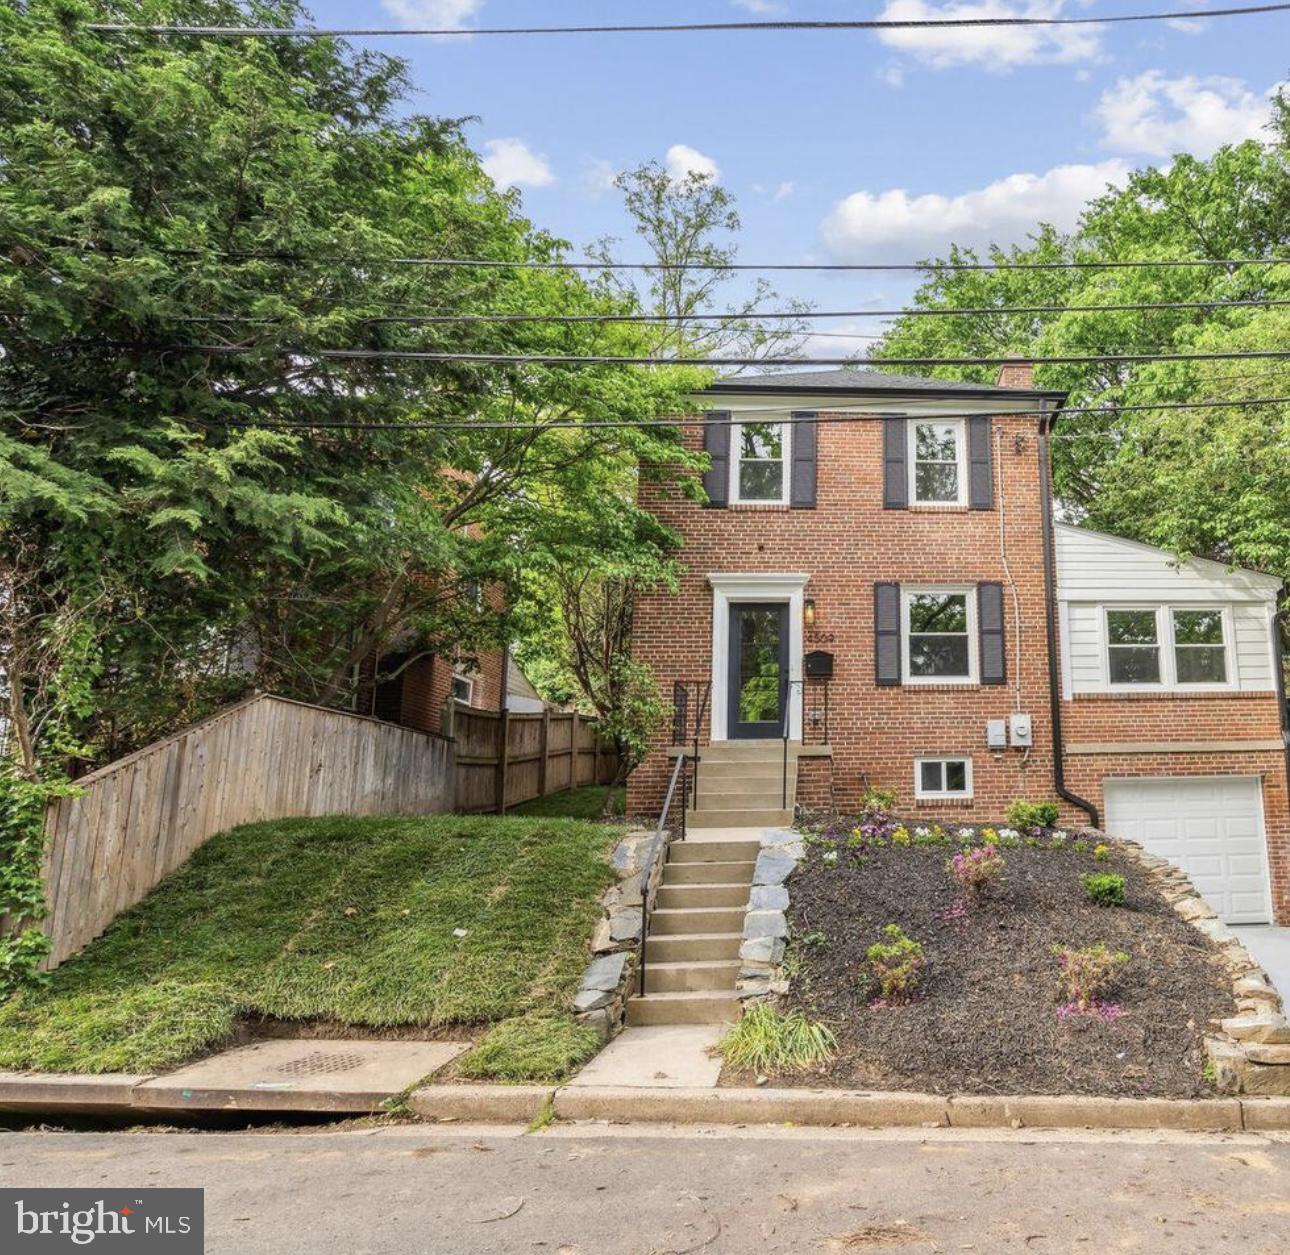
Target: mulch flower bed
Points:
(986, 1016)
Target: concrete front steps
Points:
(740, 784)
(695, 929)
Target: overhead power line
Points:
(833, 416)
(716, 363)
(763, 315)
(638, 28)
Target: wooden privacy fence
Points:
(504, 759)
(267, 758)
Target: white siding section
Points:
(1095, 571)
(1092, 566)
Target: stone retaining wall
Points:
(766, 924)
(611, 975)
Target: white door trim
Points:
(770, 587)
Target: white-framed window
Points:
(1167, 647)
(938, 631)
(463, 689)
(759, 463)
(1133, 646)
(942, 778)
(937, 461)
(1200, 645)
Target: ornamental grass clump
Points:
(974, 870)
(767, 1040)
(894, 966)
(1086, 976)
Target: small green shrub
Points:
(894, 965)
(1086, 976)
(1022, 814)
(1102, 852)
(815, 940)
(1103, 888)
(879, 800)
(767, 1041)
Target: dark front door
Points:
(758, 670)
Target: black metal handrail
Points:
(683, 729)
(785, 722)
(648, 888)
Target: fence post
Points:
(503, 758)
(575, 761)
(544, 761)
(595, 762)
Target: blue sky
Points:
(844, 146)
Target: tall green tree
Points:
(1235, 204)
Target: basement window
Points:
(942, 778)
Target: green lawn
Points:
(341, 919)
(585, 803)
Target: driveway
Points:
(593, 1190)
(1270, 946)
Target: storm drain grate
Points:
(320, 1063)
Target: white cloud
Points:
(992, 47)
(1161, 116)
(597, 177)
(512, 163)
(783, 191)
(893, 75)
(681, 160)
(433, 14)
(763, 8)
(893, 225)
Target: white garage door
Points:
(1210, 827)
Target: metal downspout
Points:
(1050, 617)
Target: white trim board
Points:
(728, 588)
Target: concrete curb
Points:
(114, 1093)
(837, 1107)
(489, 1104)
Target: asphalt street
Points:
(602, 1190)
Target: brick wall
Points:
(1100, 719)
(846, 544)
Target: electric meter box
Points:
(1022, 734)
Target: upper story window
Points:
(1167, 646)
(936, 459)
(939, 631)
(760, 463)
(1133, 646)
(463, 689)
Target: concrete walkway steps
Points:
(742, 784)
(692, 951)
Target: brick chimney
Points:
(1016, 372)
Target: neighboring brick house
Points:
(914, 544)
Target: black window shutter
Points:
(716, 444)
(804, 439)
(980, 464)
(886, 633)
(989, 623)
(895, 472)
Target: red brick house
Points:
(979, 652)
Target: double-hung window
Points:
(463, 689)
(936, 459)
(939, 631)
(1133, 646)
(1200, 650)
(760, 469)
(1167, 647)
